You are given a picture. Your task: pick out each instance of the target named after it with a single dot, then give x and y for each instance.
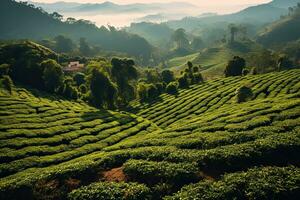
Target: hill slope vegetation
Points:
(50, 147)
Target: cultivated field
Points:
(177, 147)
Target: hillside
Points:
(49, 147)
(256, 15)
(28, 22)
(281, 31)
(214, 59)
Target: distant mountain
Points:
(282, 31)
(284, 3)
(259, 15)
(110, 7)
(28, 22)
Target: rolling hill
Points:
(28, 22)
(213, 60)
(58, 149)
(282, 31)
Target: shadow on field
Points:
(108, 116)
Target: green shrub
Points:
(7, 83)
(258, 183)
(172, 88)
(243, 94)
(155, 172)
(111, 191)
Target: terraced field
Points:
(178, 147)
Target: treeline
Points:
(27, 21)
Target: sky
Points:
(120, 19)
(196, 2)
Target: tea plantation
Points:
(199, 144)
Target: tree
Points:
(198, 78)
(52, 75)
(84, 47)
(79, 78)
(4, 69)
(7, 83)
(183, 81)
(123, 71)
(245, 72)
(233, 29)
(167, 76)
(235, 67)
(180, 38)
(56, 16)
(63, 44)
(152, 91)
(172, 88)
(142, 91)
(284, 63)
(243, 94)
(103, 89)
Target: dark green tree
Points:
(123, 72)
(102, 89)
(167, 76)
(243, 94)
(7, 83)
(172, 88)
(284, 63)
(84, 47)
(79, 78)
(52, 75)
(235, 67)
(64, 44)
(4, 69)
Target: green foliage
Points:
(4, 69)
(111, 191)
(183, 82)
(79, 78)
(235, 67)
(243, 94)
(34, 23)
(123, 71)
(284, 63)
(7, 83)
(155, 172)
(63, 44)
(52, 75)
(24, 59)
(103, 89)
(172, 88)
(167, 76)
(258, 183)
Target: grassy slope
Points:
(202, 133)
(213, 60)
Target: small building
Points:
(74, 67)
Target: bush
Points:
(258, 183)
(167, 76)
(235, 67)
(154, 172)
(4, 69)
(79, 78)
(245, 72)
(198, 78)
(111, 191)
(172, 88)
(183, 82)
(243, 94)
(152, 91)
(7, 83)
